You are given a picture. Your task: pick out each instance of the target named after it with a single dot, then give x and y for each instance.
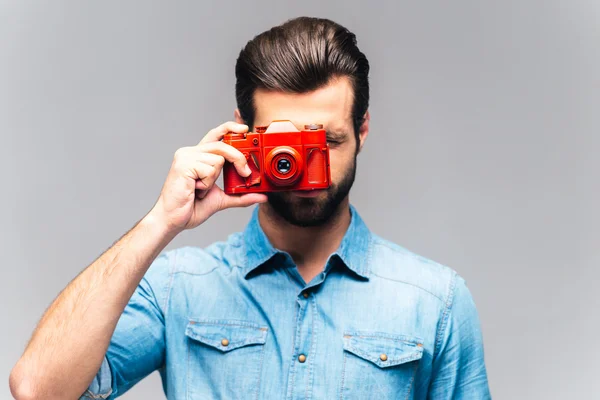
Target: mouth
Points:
(308, 193)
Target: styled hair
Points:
(301, 55)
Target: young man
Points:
(305, 303)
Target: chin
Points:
(305, 209)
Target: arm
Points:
(459, 370)
(137, 346)
(68, 346)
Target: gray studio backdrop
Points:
(482, 153)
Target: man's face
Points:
(330, 106)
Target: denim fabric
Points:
(237, 321)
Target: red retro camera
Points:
(281, 158)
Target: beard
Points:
(312, 211)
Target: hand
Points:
(189, 196)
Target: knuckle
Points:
(218, 145)
(211, 147)
(180, 153)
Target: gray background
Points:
(482, 153)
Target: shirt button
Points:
(301, 358)
(383, 357)
(305, 294)
(225, 342)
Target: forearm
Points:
(67, 348)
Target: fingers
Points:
(206, 160)
(245, 200)
(230, 154)
(222, 201)
(202, 168)
(215, 160)
(216, 134)
(206, 175)
(209, 167)
(211, 143)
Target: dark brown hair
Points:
(299, 56)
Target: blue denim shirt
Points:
(237, 321)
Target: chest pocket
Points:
(379, 365)
(224, 358)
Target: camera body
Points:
(281, 158)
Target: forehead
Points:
(330, 105)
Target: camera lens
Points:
(284, 166)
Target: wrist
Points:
(154, 224)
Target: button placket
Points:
(301, 371)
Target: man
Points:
(305, 303)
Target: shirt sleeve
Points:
(459, 370)
(137, 345)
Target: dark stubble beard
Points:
(312, 211)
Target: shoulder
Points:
(194, 260)
(204, 260)
(393, 262)
(187, 261)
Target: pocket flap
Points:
(383, 349)
(226, 335)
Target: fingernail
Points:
(248, 170)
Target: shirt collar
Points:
(354, 250)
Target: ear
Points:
(238, 116)
(363, 131)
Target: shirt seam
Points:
(445, 315)
(170, 285)
(370, 245)
(398, 249)
(196, 273)
(410, 284)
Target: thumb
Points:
(244, 200)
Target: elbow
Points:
(21, 388)
(25, 385)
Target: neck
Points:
(310, 247)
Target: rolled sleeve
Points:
(101, 386)
(459, 370)
(137, 345)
